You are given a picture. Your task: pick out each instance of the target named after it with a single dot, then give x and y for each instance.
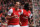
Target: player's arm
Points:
(30, 18)
(20, 15)
(20, 22)
(9, 14)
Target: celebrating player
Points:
(13, 16)
(26, 13)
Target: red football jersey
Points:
(23, 18)
(14, 21)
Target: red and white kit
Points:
(24, 18)
(14, 22)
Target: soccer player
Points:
(26, 13)
(13, 16)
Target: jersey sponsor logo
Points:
(25, 17)
(16, 16)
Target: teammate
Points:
(13, 16)
(26, 13)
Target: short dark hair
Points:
(26, 6)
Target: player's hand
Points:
(20, 23)
(16, 16)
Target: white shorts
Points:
(24, 26)
(13, 25)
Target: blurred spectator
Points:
(3, 18)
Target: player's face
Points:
(17, 4)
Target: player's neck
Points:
(16, 9)
(27, 10)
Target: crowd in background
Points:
(36, 7)
(5, 5)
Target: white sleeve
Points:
(10, 12)
(30, 15)
(21, 11)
